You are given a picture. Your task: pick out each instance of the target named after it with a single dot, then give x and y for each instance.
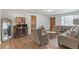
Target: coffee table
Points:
(51, 33)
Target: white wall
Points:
(76, 17)
(58, 20)
(58, 17)
(0, 26)
(13, 14)
(41, 19)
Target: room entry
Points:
(5, 29)
(33, 22)
(52, 23)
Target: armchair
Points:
(39, 37)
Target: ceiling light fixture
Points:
(49, 10)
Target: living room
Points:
(39, 29)
(62, 21)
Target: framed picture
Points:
(20, 20)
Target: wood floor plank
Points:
(28, 43)
(0, 46)
(23, 43)
(6, 45)
(12, 45)
(18, 43)
(33, 44)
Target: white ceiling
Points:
(45, 11)
(53, 12)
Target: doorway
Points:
(33, 22)
(52, 23)
(5, 29)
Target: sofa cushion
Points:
(74, 32)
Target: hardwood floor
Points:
(28, 43)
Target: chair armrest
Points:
(43, 34)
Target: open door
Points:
(33, 22)
(52, 23)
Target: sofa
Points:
(69, 39)
(39, 37)
(62, 29)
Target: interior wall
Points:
(58, 17)
(76, 17)
(0, 26)
(58, 20)
(41, 19)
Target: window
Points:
(67, 20)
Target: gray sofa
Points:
(62, 29)
(69, 41)
(39, 37)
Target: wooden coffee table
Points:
(51, 33)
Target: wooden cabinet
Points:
(20, 30)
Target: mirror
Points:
(6, 29)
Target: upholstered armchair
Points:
(39, 37)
